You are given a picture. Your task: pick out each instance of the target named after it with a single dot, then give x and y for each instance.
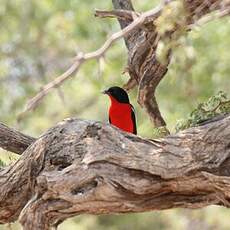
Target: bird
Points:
(121, 112)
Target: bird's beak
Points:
(105, 91)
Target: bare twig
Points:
(208, 18)
(33, 103)
(127, 15)
(81, 58)
(122, 14)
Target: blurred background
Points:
(38, 40)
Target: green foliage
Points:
(2, 163)
(216, 105)
(160, 132)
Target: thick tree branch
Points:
(87, 167)
(82, 58)
(124, 22)
(14, 141)
(123, 5)
(145, 69)
(141, 37)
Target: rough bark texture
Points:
(87, 167)
(125, 5)
(14, 141)
(144, 68)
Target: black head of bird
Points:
(117, 93)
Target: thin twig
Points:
(122, 14)
(81, 58)
(211, 17)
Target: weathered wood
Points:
(125, 5)
(14, 141)
(87, 167)
(145, 70)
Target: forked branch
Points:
(141, 38)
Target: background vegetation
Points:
(38, 40)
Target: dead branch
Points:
(87, 167)
(144, 68)
(81, 58)
(119, 14)
(14, 141)
(82, 166)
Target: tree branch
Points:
(14, 141)
(123, 5)
(82, 58)
(120, 14)
(141, 37)
(126, 5)
(145, 70)
(87, 167)
(81, 166)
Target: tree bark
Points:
(144, 67)
(14, 141)
(125, 5)
(87, 167)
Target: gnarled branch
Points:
(87, 167)
(141, 38)
(145, 70)
(82, 58)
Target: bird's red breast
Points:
(120, 115)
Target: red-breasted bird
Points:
(121, 112)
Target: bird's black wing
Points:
(109, 120)
(134, 120)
